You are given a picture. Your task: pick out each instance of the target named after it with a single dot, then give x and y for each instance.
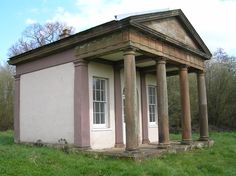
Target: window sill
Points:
(101, 129)
(152, 125)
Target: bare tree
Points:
(37, 35)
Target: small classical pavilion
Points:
(81, 87)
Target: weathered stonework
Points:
(151, 45)
(103, 45)
(173, 28)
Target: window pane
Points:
(102, 84)
(151, 117)
(152, 103)
(102, 107)
(103, 98)
(99, 101)
(97, 83)
(151, 100)
(98, 118)
(149, 109)
(96, 107)
(102, 118)
(94, 84)
(97, 95)
(94, 118)
(94, 95)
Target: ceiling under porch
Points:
(144, 62)
(148, 48)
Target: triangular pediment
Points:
(172, 28)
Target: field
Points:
(23, 160)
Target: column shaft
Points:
(81, 105)
(118, 109)
(144, 107)
(162, 102)
(131, 118)
(185, 106)
(202, 100)
(17, 109)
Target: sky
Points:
(214, 20)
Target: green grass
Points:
(23, 160)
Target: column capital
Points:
(129, 51)
(161, 60)
(184, 67)
(17, 77)
(201, 72)
(80, 62)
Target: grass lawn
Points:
(22, 160)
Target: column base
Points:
(145, 141)
(17, 141)
(186, 141)
(83, 148)
(119, 145)
(163, 145)
(131, 149)
(204, 138)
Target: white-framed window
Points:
(152, 105)
(100, 103)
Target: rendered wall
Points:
(102, 137)
(47, 104)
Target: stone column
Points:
(17, 109)
(144, 107)
(118, 109)
(185, 106)
(131, 118)
(202, 100)
(81, 104)
(162, 103)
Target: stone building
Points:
(106, 86)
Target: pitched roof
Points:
(137, 21)
(114, 25)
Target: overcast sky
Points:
(214, 20)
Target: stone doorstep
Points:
(150, 150)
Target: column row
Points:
(163, 119)
(81, 103)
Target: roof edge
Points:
(108, 27)
(70, 42)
